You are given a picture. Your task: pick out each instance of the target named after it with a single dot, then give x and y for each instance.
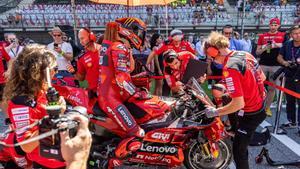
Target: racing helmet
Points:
(132, 29)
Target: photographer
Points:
(290, 53)
(268, 46)
(244, 83)
(25, 94)
(14, 48)
(63, 51)
(75, 151)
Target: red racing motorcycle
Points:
(177, 132)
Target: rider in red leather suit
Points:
(115, 85)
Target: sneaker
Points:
(289, 125)
(273, 105)
(269, 112)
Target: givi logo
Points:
(161, 136)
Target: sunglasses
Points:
(57, 35)
(227, 33)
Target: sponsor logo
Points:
(21, 162)
(89, 64)
(21, 124)
(75, 98)
(122, 47)
(88, 59)
(160, 158)
(242, 131)
(229, 84)
(225, 73)
(125, 115)
(21, 110)
(21, 117)
(159, 149)
(129, 87)
(116, 118)
(161, 136)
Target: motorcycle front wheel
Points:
(195, 158)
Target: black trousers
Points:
(247, 125)
(291, 100)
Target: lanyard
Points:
(295, 55)
(15, 54)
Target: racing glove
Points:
(142, 94)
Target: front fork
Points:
(209, 149)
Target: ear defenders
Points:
(92, 36)
(212, 51)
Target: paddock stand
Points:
(265, 152)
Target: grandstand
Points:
(6, 5)
(202, 16)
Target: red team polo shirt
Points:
(270, 59)
(244, 77)
(184, 46)
(3, 54)
(88, 65)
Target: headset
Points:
(92, 36)
(211, 51)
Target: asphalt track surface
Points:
(281, 148)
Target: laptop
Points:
(195, 68)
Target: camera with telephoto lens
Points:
(293, 70)
(50, 146)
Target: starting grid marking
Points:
(284, 139)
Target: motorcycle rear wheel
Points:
(194, 158)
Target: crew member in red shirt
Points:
(176, 43)
(244, 82)
(268, 46)
(88, 61)
(176, 64)
(25, 93)
(3, 55)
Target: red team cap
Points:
(275, 21)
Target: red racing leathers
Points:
(22, 112)
(115, 85)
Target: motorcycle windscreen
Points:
(193, 84)
(195, 68)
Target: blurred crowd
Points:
(194, 13)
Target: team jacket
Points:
(24, 111)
